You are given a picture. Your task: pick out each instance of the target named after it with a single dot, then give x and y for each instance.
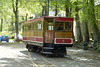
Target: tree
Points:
(68, 8)
(15, 10)
(4, 12)
(56, 10)
(78, 28)
(85, 31)
(1, 24)
(95, 29)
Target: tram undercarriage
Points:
(48, 49)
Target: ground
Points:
(16, 55)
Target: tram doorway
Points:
(49, 27)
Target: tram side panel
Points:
(47, 35)
(34, 34)
(64, 31)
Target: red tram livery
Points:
(49, 35)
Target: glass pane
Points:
(59, 26)
(68, 26)
(49, 24)
(39, 26)
(29, 27)
(33, 26)
(50, 27)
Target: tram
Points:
(48, 35)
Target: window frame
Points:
(47, 24)
(63, 26)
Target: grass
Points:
(11, 39)
(1, 43)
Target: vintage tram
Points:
(49, 35)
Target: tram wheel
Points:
(29, 48)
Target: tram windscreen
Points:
(68, 26)
(59, 26)
(63, 26)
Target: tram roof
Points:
(56, 19)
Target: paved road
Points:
(11, 56)
(16, 55)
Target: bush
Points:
(9, 34)
(98, 49)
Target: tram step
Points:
(48, 48)
(47, 53)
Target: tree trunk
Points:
(67, 11)
(45, 8)
(78, 28)
(95, 29)
(56, 11)
(85, 31)
(70, 12)
(15, 10)
(16, 21)
(43, 11)
(1, 24)
(85, 25)
(26, 16)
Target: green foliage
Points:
(35, 7)
(8, 33)
(98, 49)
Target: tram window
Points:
(36, 26)
(33, 26)
(39, 26)
(29, 27)
(49, 25)
(59, 26)
(68, 26)
(25, 27)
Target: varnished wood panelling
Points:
(32, 33)
(28, 33)
(40, 33)
(48, 37)
(63, 35)
(23, 34)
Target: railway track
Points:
(47, 63)
(44, 62)
(28, 57)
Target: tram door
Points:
(49, 31)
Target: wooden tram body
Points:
(50, 35)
